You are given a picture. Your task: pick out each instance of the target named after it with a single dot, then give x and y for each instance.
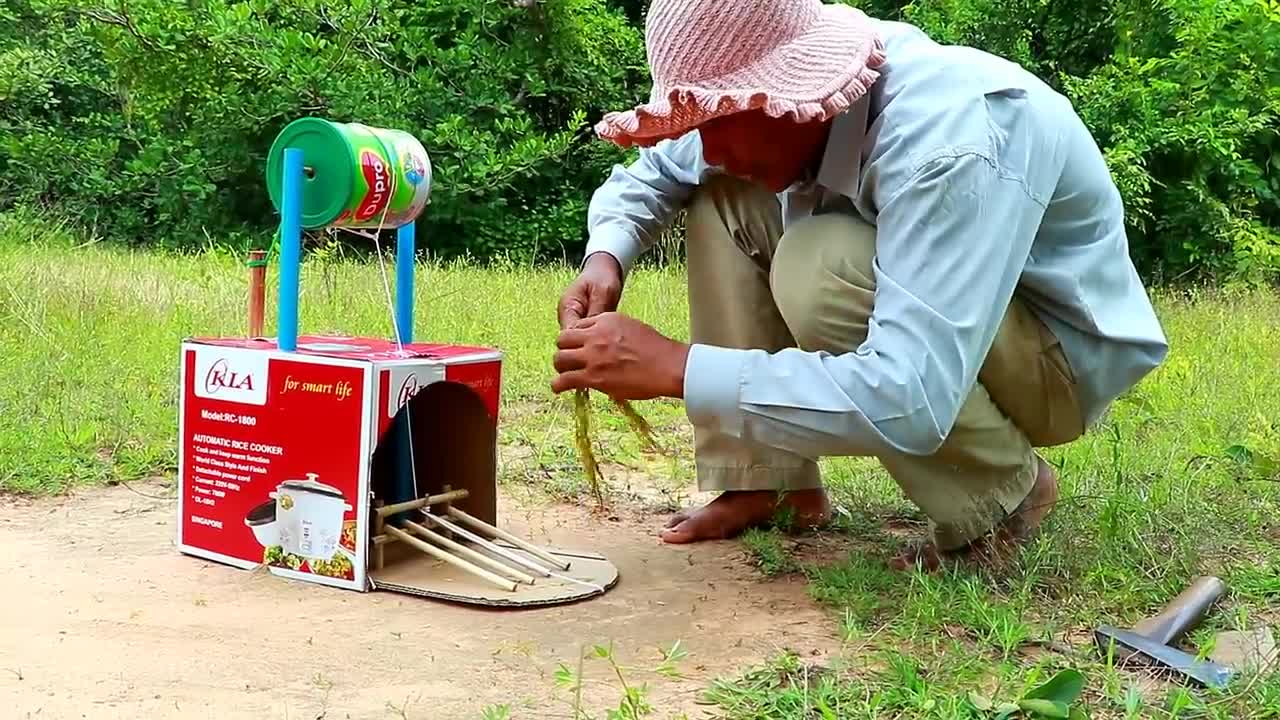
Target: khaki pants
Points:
(812, 287)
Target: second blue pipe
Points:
(405, 246)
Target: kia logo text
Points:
(407, 390)
(220, 376)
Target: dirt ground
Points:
(103, 618)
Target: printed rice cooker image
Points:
(309, 517)
(262, 520)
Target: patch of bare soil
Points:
(103, 618)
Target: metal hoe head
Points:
(1205, 672)
(1151, 639)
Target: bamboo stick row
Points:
(483, 526)
(432, 550)
(495, 549)
(488, 567)
(466, 552)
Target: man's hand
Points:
(621, 357)
(597, 289)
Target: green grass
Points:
(1180, 479)
(89, 339)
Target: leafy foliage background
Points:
(149, 120)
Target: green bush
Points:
(152, 125)
(1182, 95)
(1188, 109)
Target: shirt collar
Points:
(841, 167)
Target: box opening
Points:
(454, 447)
(454, 444)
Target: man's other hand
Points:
(621, 357)
(597, 289)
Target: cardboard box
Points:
(282, 454)
(292, 450)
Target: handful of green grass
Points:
(638, 424)
(582, 437)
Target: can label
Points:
(377, 178)
(412, 176)
(393, 178)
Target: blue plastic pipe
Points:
(290, 249)
(405, 246)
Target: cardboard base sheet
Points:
(421, 575)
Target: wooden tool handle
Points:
(1184, 612)
(432, 550)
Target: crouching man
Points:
(895, 249)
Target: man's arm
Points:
(636, 203)
(951, 245)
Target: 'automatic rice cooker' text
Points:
(239, 445)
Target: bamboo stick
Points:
(503, 534)
(468, 553)
(495, 549)
(379, 555)
(389, 510)
(443, 508)
(432, 550)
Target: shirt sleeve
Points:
(951, 244)
(636, 203)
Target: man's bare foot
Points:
(1016, 530)
(736, 511)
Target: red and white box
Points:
(279, 452)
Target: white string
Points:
(382, 265)
(395, 323)
(585, 583)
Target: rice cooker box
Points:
(282, 455)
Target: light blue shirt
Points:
(979, 179)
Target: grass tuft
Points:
(769, 550)
(582, 436)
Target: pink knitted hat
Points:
(711, 58)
